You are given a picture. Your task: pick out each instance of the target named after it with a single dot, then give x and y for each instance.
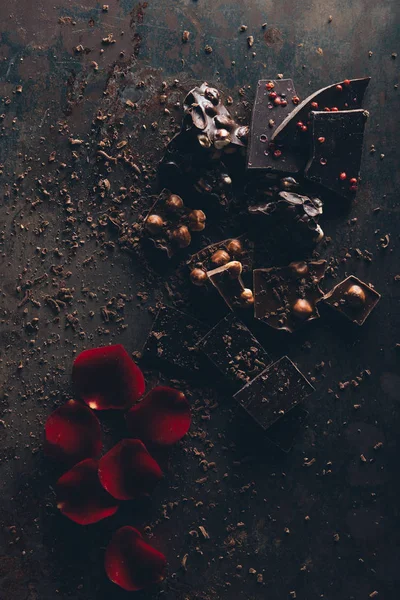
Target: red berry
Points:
(283, 102)
(346, 82)
(304, 128)
(334, 109)
(270, 85)
(277, 153)
(272, 95)
(295, 99)
(342, 176)
(327, 109)
(277, 101)
(353, 181)
(314, 105)
(321, 140)
(300, 124)
(339, 88)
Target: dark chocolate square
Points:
(274, 392)
(234, 350)
(174, 338)
(339, 299)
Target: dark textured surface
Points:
(253, 502)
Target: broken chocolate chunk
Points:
(353, 298)
(275, 100)
(286, 297)
(217, 255)
(292, 138)
(228, 281)
(274, 392)
(174, 338)
(284, 431)
(293, 217)
(234, 350)
(337, 150)
(170, 224)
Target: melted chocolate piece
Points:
(290, 137)
(274, 392)
(234, 350)
(174, 338)
(286, 298)
(353, 298)
(266, 118)
(337, 150)
(227, 279)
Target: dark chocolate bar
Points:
(275, 100)
(353, 298)
(170, 224)
(274, 392)
(174, 338)
(337, 139)
(227, 279)
(292, 138)
(234, 350)
(286, 297)
(218, 254)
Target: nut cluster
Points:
(219, 258)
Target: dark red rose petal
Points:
(72, 433)
(132, 563)
(81, 497)
(128, 470)
(107, 378)
(163, 417)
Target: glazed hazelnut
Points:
(220, 257)
(204, 140)
(222, 138)
(300, 268)
(235, 247)
(197, 220)
(212, 94)
(198, 277)
(154, 224)
(174, 202)
(246, 297)
(234, 268)
(355, 296)
(302, 309)
(181, 236)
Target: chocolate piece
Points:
(170, 224)
(286, 298)
(337, 149)
(293, 137)
(267, 116)
(293, 217)
(353, 298)
(234, 350)
(216, 255)
(274, 392)
(209, 122)
(174, 338)
(284, 431)
(227, 279)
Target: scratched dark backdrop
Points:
(54, 235)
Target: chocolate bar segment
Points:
(337, 139)
(234, 350)
(174, 338)
(275, 100)
(293, 136)
(353, 298)
(170, 224)
(274, 392)
(228, 281)
(286, 297)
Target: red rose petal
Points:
(72, 433)
(107, 378)
(128, 470)
(163, 417)
(132, 563)
(81, 497)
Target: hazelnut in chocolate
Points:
(353, 298)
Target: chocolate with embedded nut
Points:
(353, 298)
(228, 281)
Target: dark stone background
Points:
(51, 223)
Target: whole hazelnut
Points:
(222, 138)
(220, 257)
(246, 297)
(198, 277)
(154, 224)
(234, 269)
(204, 140)
(174, 202)
(235, 247)
(300, 268)
(212, 94)
(355, 296)
(302, 309)
(197, 220)
(181, 236)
